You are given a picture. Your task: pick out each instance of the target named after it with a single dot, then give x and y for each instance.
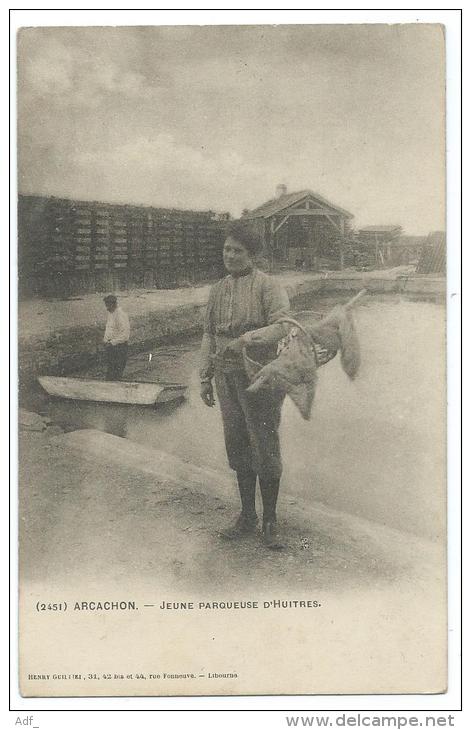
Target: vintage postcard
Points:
(232, 392)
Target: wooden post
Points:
(127, 271)
(93, 251)
(272, 244)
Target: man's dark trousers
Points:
(116, 356)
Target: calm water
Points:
(374, 447)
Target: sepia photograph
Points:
(232, 360)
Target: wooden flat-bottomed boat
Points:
(117, 391)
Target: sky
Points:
(214, 117)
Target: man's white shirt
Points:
(117, 327)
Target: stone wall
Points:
(76, 348)
(66, 351)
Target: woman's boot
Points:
(269, 489)
(247, 521)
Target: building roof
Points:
(379, 229)
(433, 256)
(277, 205)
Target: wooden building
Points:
(433, 255)
(407, 249)
(378, 242)
(71, 247)
(301, 229)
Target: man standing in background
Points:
(116, 338)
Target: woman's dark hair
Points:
(110, 299)
(245, 235)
